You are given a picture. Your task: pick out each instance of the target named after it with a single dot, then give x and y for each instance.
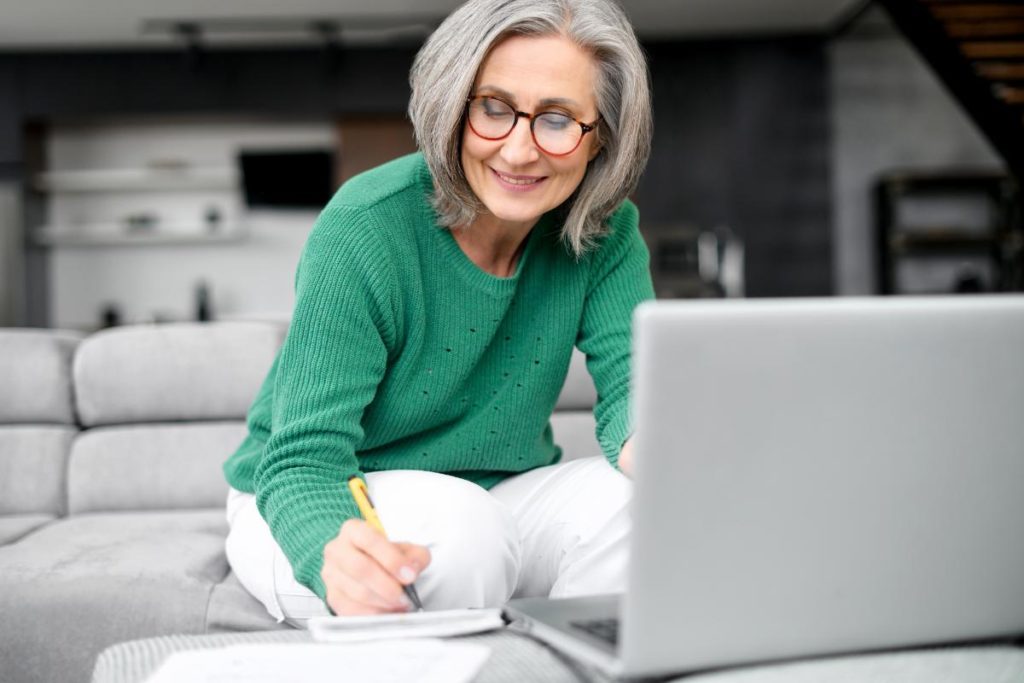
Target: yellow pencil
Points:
(362, 495)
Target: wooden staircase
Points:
(976, 47)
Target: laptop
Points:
(813, 477)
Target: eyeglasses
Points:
(554, 132)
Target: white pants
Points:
(559, 531)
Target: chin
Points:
(516, 214)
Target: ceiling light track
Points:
(319, 30)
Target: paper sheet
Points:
(438, 624)
(396, 661)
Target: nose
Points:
(519, 149)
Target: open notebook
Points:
(439, 624)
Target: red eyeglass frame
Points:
(585, 127)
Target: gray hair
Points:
(446, 66)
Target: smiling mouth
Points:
(519, 180)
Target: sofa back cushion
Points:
(173, 372)
(35, 376)
(578, 392)
(573, 420)
(164, 406)
(37, 425)
(151, 466)
(33, 460)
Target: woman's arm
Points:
(330, 365)
(620, 280)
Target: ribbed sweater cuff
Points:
(309, 574)
(614, 434)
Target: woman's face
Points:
(516, 181)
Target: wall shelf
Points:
(994, 244)
(155, 179)
(96, 238)
(942, 243)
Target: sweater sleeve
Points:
(619, 281)
(328, 371)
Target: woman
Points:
(438, 301)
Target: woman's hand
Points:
(626, 458)
(364, 572)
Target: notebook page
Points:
(399, 661)
(437, 624)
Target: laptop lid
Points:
(823, 476)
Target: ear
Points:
(596, 141)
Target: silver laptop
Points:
(814, 476)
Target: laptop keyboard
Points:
(605, 629)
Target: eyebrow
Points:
(546, 102)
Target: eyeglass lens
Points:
(554, 132)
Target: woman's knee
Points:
(478, 552)
(472, 538)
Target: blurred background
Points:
(166, 160)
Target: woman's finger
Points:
(353, 560)
(365, 593)
(388, 555)
(416, 555)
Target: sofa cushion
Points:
(83, 583)
(35, 376)
(151, 467)
(13, 527)
(170, 372)
(574, 432)
(33, 460)
(233, 608)
(578, 392)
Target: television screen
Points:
(287, 178)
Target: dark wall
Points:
(10, 121)
(742, 140)
(741, 126)
(291, 82)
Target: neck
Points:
(493, 245)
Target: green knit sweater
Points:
(403, 354)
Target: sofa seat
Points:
(13, 527)
(184, 545)
(33, 471)
(92, 580)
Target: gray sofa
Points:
(111, 494)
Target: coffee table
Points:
(516, 659)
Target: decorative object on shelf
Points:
(969, 281)
(141, 222)
(203, 311)
(110, 316)
(214, 219)
(169, 164)
(698, 264)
